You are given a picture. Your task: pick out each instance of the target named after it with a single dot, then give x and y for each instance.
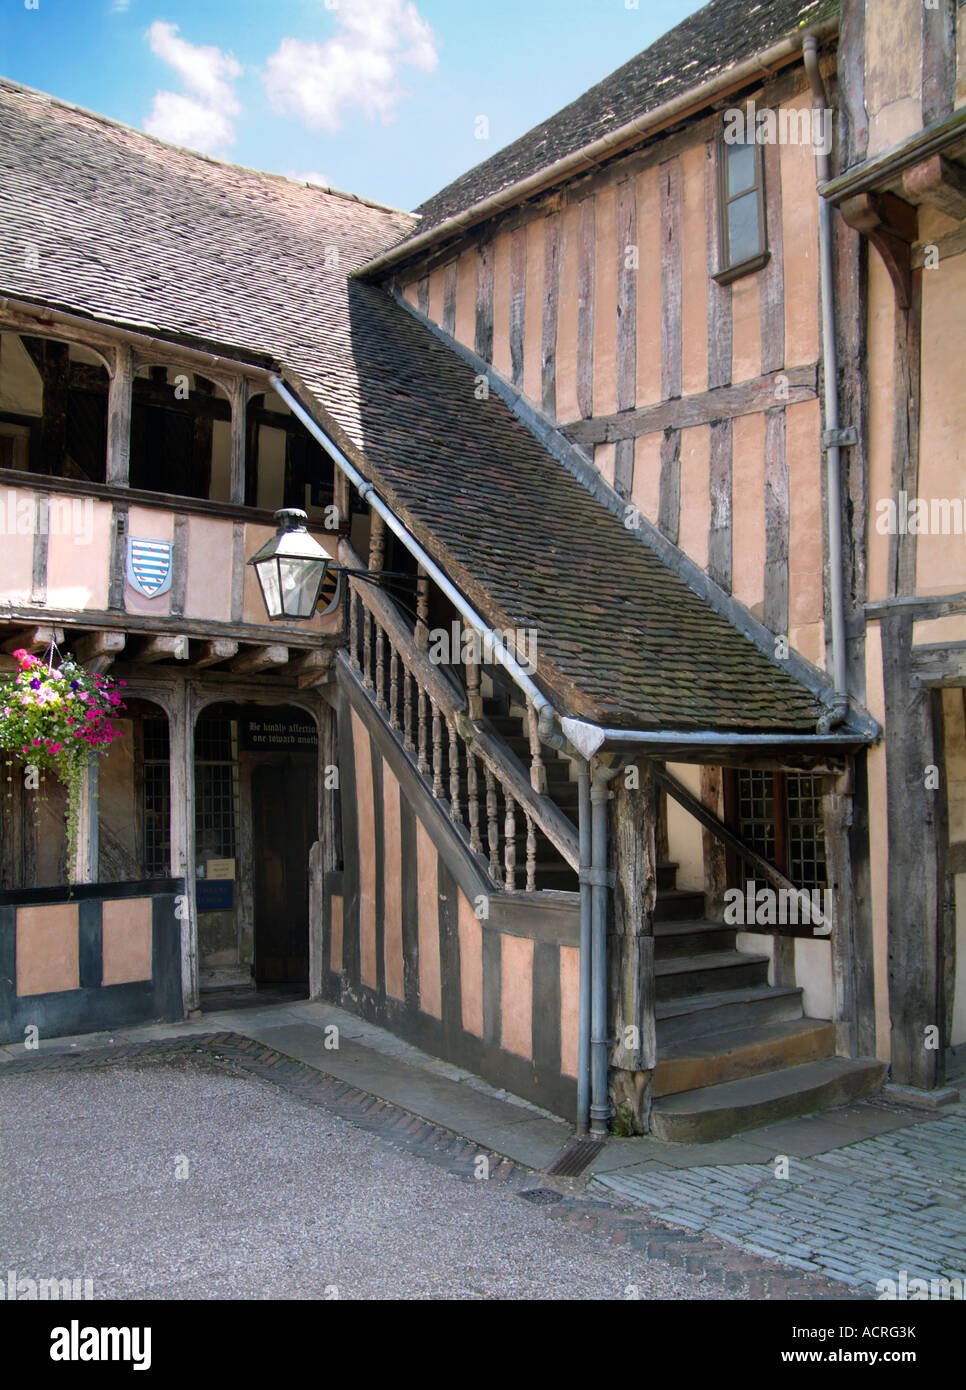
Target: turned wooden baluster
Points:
(492, 825)
(354, 629)
(422, 761)
(531, 856)
(474, 699)
(421, 634)
(538, 772)
(408, 711)
(367, 649)
(393, 689)
(380, 667)
(510, 844)
(455, 812)
(437, 751)
(473, 803)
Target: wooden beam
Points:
(313, 669)
(162, 647)
(34, 640)
(627, 272)
(100, 648)
(940, 182)
(634, 1054)
(260, 659)
(586, 281)
(119, 418)
(890, 224)
(671, 287)
(703, 408)
(483, 337)
(220, 649)
(518, 302)
(551, 281)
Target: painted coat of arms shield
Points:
(149, 566)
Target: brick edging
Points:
(735, 1272)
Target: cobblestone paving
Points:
(660, 1260)
(858, 1214)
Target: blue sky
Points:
(379, 97)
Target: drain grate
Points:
(575, 1158)
(540, 1196)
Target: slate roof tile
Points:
(713, 39)
(138, 232)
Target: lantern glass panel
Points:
(300, 580)
(267, 571)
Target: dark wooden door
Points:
(283, 814)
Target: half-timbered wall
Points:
(416, 938)
(696, 400)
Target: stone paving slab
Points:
(860, 1213)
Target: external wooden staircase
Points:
(734, 1052)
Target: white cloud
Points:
(320, 82)
(121, 6)
(322, 180)
(203, 120)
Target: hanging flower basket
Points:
(59, 718)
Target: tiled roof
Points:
(699, 48)
(135, 231)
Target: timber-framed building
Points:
(648, 402)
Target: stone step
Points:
(684, 938)
(709, 973)
(693, 1063)
(679, 904)
(716, 1112)
(695, 1016)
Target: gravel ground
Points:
(280, 1200)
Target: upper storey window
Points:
(53, 408)
(741, 205)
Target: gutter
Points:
(589, 156)
(546, 714)
(131, 338)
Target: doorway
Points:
(283, 831)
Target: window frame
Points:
(727, 269)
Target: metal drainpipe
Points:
(600, 1102)
(833, 471)
(586, 965)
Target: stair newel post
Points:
(633, 813)
(492, 824)
(538, 771)
(510, 844)
(421, 635)
(408, 711)
(531, 856)
(393, 688)
(455, 810)
(437, 751)
(473, 802)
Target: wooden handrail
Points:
(449, 702)
(722, 832)
(435, 680)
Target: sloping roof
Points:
(135, 231)
(705, 44)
